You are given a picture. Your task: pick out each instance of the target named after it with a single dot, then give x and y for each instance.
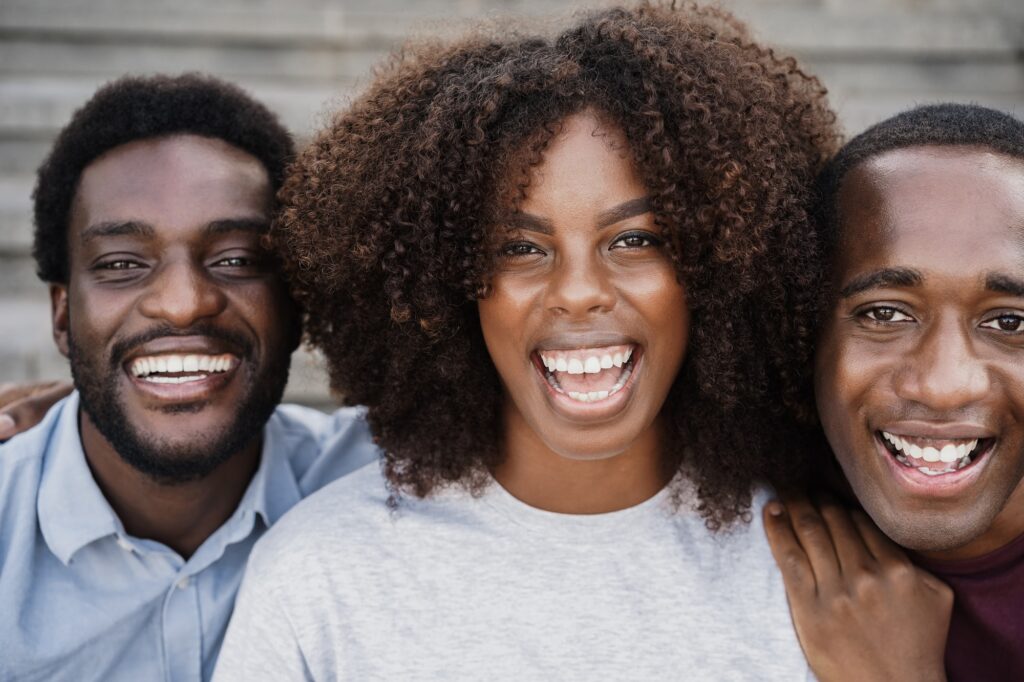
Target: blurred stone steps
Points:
(304, 58)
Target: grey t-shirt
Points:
(461, 588)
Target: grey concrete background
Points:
(304, 57)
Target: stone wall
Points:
(303, 57)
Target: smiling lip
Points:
(620, 356)
(181, 369)
(892, 444)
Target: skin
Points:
(862, 611)
(937, 353)
(171, 276)
(573, 274)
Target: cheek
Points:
(97, 315)
(663, 306)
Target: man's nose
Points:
(944, 372)
(182, 294)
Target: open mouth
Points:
(170, 368)
(935, 456)
(588, 375)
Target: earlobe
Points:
(59, 316)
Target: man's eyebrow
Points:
(628, 209)
(129, 228)
(886, 277)
(528, 221)
(256, 225)
(1005, 284)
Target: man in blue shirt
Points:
(127, 515)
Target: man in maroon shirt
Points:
(919, 379)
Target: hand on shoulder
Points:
(861, 609)
(22, 406)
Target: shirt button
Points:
(183, 583)
(124, 544)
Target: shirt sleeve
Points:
(261, 642)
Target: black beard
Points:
(165, 463)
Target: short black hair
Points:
(137, 108)
(946, 124)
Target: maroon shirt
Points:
(986, 635)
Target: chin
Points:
(927, 532)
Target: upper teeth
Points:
(586, 361)
(950, 452)
(160, 364)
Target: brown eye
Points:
(885, 313)
(1006, 323)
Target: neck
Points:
(1007, 527)
(181, 515)
(542, 478)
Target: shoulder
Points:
(321, 447)
(22, 462)
(328, 523)
(21, 458)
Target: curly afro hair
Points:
(386, 226)
(137, 108)
(944, 124)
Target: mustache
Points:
(240, 342)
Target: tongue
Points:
(584, 383)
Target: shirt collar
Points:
(72, 510)
(274, 488)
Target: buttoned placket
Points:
(183, 628)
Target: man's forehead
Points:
(182, 179)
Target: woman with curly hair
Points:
(571, 279)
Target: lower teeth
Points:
(173, 380)
(959, 464)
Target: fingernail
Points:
(775, 508)
(6, 426)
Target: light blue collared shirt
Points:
(81, 600)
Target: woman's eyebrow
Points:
(627, 209)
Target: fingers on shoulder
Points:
(789, 554)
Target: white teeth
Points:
(593, 365)
(606, 362)
(948, 453)
(617, 360)
(156, 379)
(174, 364)
(955, 456)
(627, 355)
(562, 365)
(575, 366)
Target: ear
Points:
(59, 316)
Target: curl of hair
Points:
(137, 108)
(387, 221)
